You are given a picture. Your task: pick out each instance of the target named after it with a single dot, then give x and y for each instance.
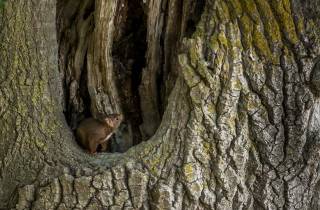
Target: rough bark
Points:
(229, 103)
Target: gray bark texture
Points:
(221, 100)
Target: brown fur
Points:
(92, 132)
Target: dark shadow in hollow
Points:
(194, 16)
(129, 49)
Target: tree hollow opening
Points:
(143, 68)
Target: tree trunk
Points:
(220, 98)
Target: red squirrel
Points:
(93, 132)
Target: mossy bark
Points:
(234, 123)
